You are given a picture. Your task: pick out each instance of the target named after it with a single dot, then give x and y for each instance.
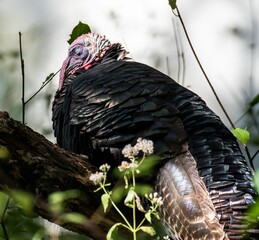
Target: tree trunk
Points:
(31, 163)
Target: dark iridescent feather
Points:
(99, 111)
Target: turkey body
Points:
(100, 110)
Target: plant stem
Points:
(143, 220)
(117, 209)
(202, 69)
(210, 84)
(47, 81)
(23, 78)
(134, 206)
(5, 235)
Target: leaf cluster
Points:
(79, 29)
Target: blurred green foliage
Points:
(19, 221)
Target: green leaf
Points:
(149, 165)
(149, 230)
(142, 189)
(241, 134)
(129, 198)
(79, 29)
(253, 211)
(148, 216)
(49, 77)
(118, 193)
(57, 199)
(172, 4)
(105, 201)
(112, 229)
(139, 204)
(4, 153)
(4, 199)
(24, 200)
(39, 235)
(73, 218)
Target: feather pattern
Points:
(98, 111)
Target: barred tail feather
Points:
(187, 209)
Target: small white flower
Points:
(97, 177)
(133, 165)
(105, 167)
(145, 146)
(124, 165)
(129, 152)
(154, 198)
(158, 201)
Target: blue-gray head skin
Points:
(82, 53)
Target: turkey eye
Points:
(77, 51)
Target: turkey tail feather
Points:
(187, 209)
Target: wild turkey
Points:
(105, 101)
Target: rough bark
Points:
(35, 165)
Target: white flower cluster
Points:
(105, 167)
(97, 177)
(129, 152)
(127, 165)
(154, 198)
(144, 145)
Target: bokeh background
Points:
(224, 34)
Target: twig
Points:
(42, 86)
(5, 234)
(178, 51)
(255, 155)
(252, 167)
(242, 116)
(202, 69)
(252, 67)
(253, 45)
(48, 79)
(209, 82)
(23, 78)
(180, 54)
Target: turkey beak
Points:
(62, 72)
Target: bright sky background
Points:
(221, 31)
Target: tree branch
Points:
(35, 165)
